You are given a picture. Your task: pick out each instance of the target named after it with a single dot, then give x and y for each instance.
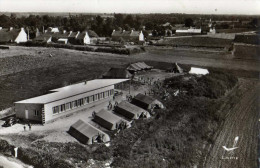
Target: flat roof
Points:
(72, 90)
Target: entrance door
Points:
(26, 114)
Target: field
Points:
(27, 72)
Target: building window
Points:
(95, 97)
(36, 112)
(73, 104)
(55, 110)
(67, 106)
(62, 107)
(91, 99)
(111, 91)
(103, 94)
(86, 100)
(78, 103)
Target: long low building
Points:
(131, 111)
(66, 100)
(107, 120)
(87, 134)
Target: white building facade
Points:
(67, 100)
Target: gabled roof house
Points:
(13, 35)
(128, 36)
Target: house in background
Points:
(128, 36)
(188, 31)
(73, 37)
(117, 73)
(13, 35)
(52, 30)
(83, 38)
(43, 38)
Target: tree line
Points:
(104, 26)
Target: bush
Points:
(41, 159)
(102, 153)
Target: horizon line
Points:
(135, 13)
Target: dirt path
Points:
(241, 121)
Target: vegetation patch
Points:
(115, 50)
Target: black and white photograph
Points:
(129, 83)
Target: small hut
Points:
(87, 134)
(107, 119)
(131, 111)
(146, 102)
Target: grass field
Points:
(28, 72)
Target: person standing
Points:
(24, 127)
(30, 126)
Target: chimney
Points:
(132, 31)
(11, 28)
(70, 33)
(123, 30)
(1, 28)
(64, 31)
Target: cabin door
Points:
(26, 114)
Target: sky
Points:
(250, 7)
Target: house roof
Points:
(7, 35)
(61, 35)
(43, 37)
(82, 35)
(91, 33)
(117, 73)
(73, 34)
(131, 108)
(198, 71)
(72, 90)
(138, 66)
(108, 116)
(190, 30)
(86, 129)
(131, 33)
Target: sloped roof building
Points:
(117, 73)
(87, 134)
(131, 111)
(146, 102)
(13, 35)
(107, 119)
(128, 36)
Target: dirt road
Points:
(241, 121)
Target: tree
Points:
(129, 20)
(149, 26)
(188, 22)
(119, 19)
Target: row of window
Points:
(82, 101)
